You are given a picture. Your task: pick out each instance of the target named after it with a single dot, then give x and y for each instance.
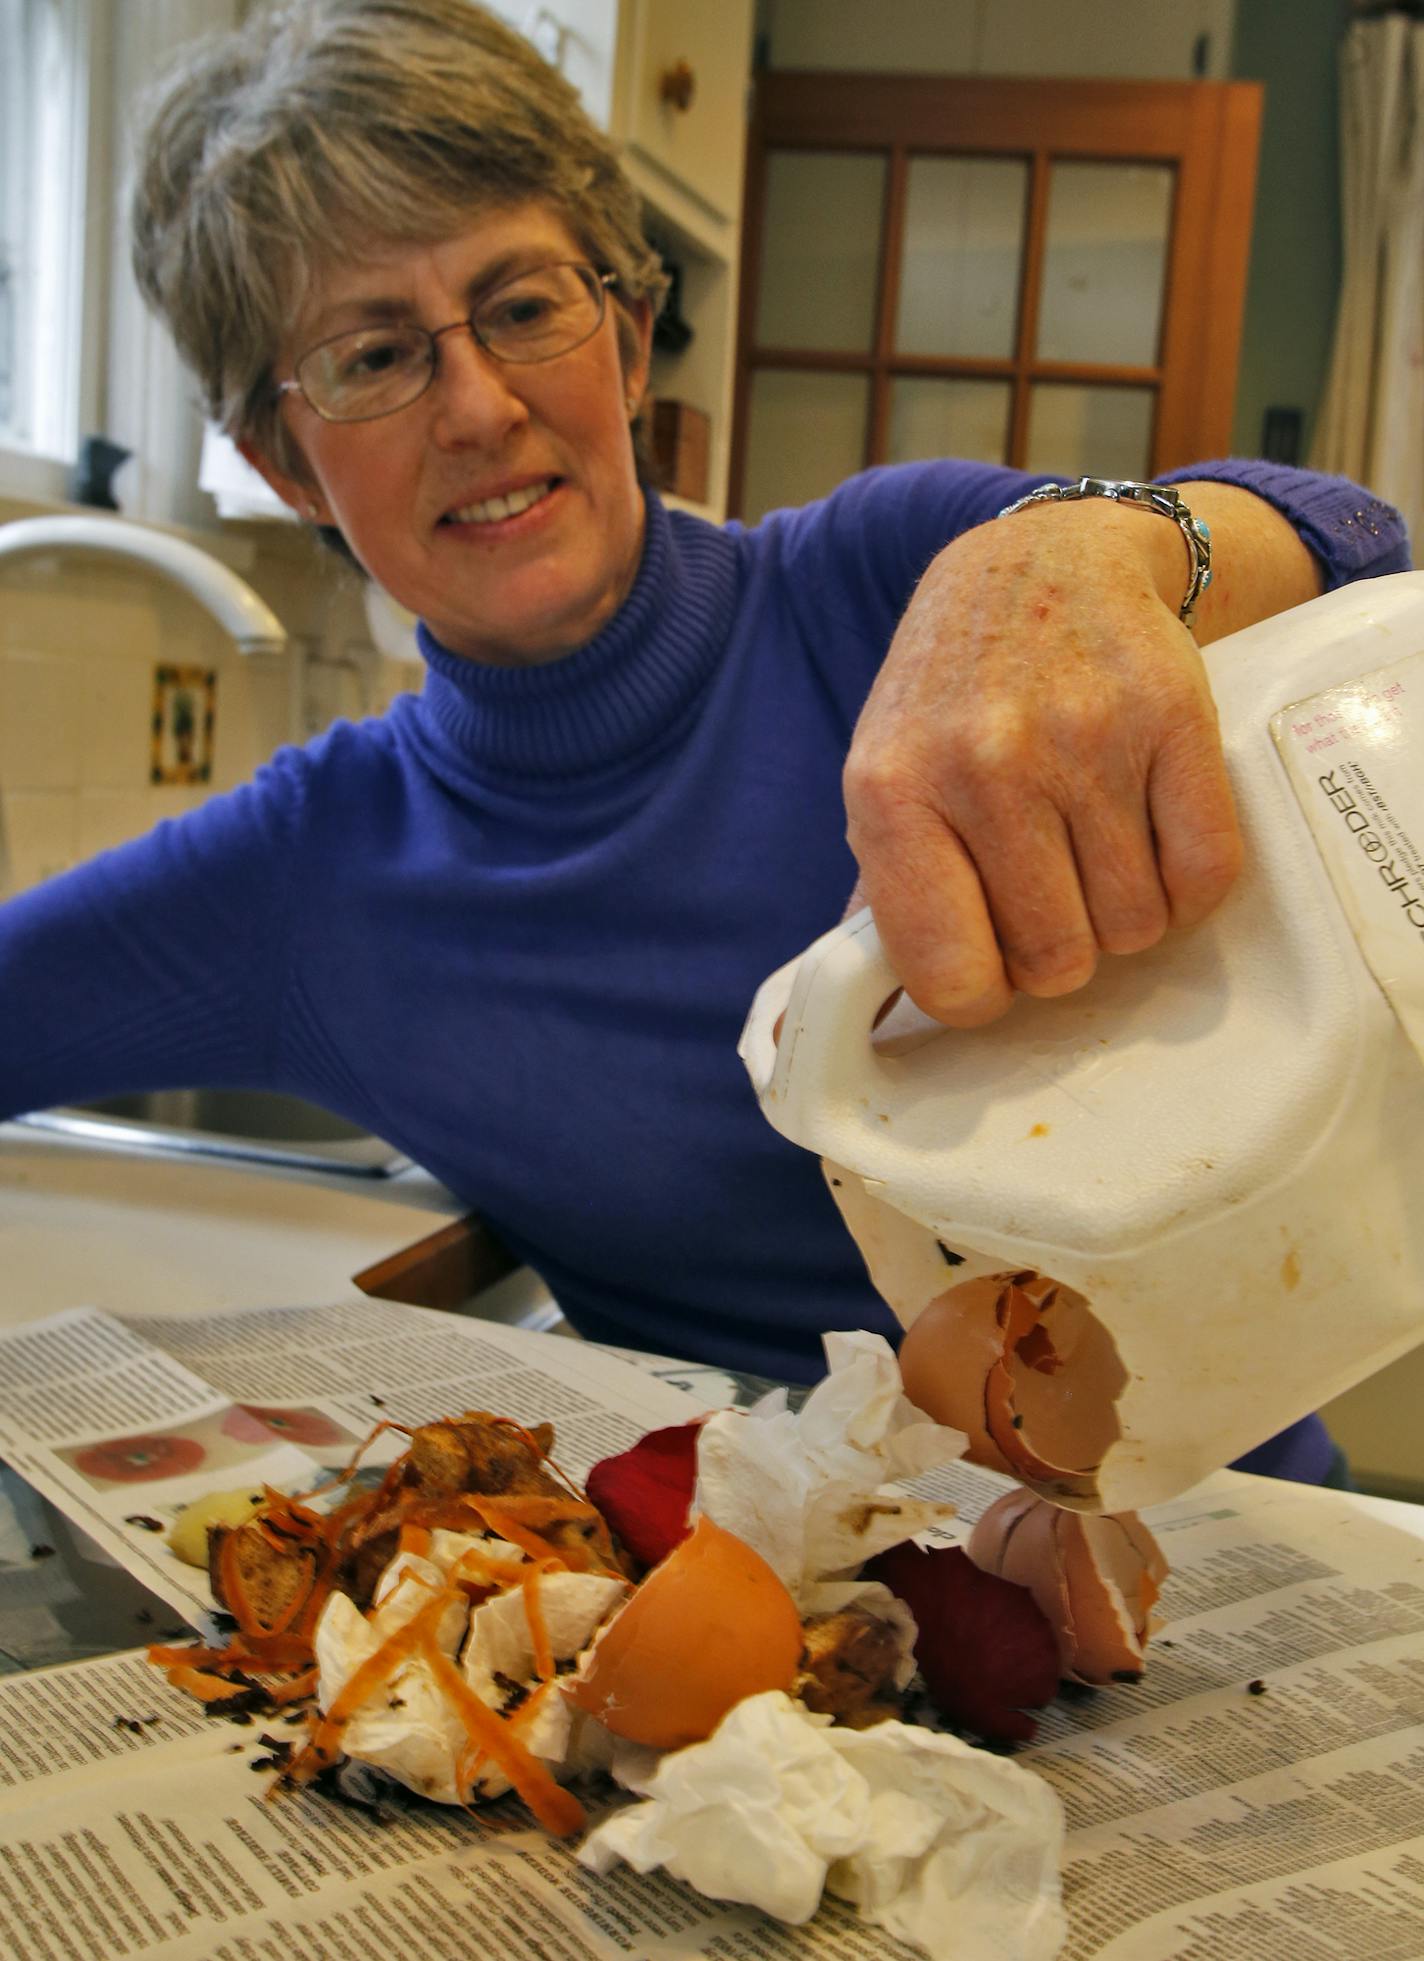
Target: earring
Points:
(312, 507)
(632, 405)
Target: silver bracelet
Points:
(1146, 497)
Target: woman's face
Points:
(410, 491)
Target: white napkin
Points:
(947, 1847)
(813, 1492)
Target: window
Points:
(45, 156)
(79, 353)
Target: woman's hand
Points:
(1037, 775)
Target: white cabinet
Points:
(680, 114)
(682, 105)
(669, 80)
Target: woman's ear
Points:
(298, 493)
(639, 354)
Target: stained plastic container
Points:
(1216, 1148)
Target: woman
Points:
(515, 925)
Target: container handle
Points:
(827, 1003)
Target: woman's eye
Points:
(520, 312)
(375, 359)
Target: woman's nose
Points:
(473, 396)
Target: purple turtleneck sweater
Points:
(514, 926)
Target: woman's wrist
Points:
(1076, 547)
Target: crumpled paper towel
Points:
(814, 1492)
(945, 1846)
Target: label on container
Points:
(1355, 756)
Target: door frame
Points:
(1208, 130)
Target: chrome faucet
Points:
(247, 619)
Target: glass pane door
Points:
(962, 256)
(977, 267)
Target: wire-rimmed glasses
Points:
(371, 371)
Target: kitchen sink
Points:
(244, 1126)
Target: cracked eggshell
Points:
(946, 1357)
(1027, 1369)
(709, 1626)
(1094, 1578)
(500, 1651)
(1063, 1378)
(410, 1730)
(448, 1548)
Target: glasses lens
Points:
(540, 314)
(369, 372)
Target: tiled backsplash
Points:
(80, 639)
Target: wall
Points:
(1291, 46)
(1126, 38)
(80, 639)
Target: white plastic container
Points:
(1218, 1145)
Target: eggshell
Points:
(1065, 1378)
(1095, 1578)
(1026, 1370)
(1017, 1314)
(1017, 1539)
(946, 1357)
(710, 1625)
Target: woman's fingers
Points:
(1198, 840)
(1115, 852)
(991, 875)
(932, 915)
(1036, 778)
(972, 912)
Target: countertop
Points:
(80, 1225)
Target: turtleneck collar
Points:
(610, 700)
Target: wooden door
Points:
(1048, 274)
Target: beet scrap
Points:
(985, 1651)
(644, 1493)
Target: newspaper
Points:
(123, 1422)
(1260, 1794)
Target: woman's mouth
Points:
(498, 510)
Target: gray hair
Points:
(325, 130)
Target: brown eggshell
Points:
(1093, 1577)
(1132, 1562)
(1106, 1634)
(1017, 1539)
(1018, 1317)
(946, 1357)
(709, 1625)
(989, 1540)
(1066, 1379)
(1154, 1565)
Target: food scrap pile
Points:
(739, 1590)
(473, 1513)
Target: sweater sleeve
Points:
(1352, 534)
(156, 965)
(859, 553)
(852, 561)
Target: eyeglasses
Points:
(371, 371)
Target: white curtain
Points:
(1371, 423)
